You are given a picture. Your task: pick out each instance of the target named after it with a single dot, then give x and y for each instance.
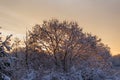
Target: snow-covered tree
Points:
(65, 42)
(5, 62)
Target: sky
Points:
(99, 17)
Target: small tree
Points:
(4, 63)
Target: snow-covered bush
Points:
(63, 76)
(93, 74)
(4, 77)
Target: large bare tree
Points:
(65, 41)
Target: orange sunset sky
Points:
(99, 17)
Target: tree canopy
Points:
(66, 42)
